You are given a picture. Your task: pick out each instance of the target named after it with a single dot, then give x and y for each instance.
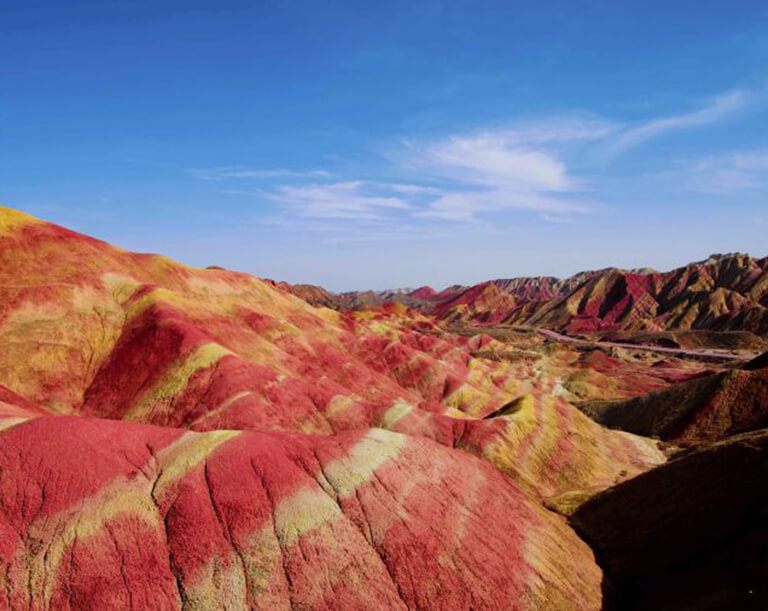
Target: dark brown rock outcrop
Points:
(690, 534)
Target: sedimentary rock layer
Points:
(174, 437)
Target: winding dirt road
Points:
(704, 354)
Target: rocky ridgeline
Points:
(723, 293)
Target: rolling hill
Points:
(179, 437)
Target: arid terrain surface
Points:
(174, 437)
(724, 293)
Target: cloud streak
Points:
(463, 178)
(506, 169)
(730, 174)
(722, 107)
(352, 200)
(255, 173)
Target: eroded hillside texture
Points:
(173, 437)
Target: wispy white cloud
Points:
(720, 108)
(559, 220)
(465, 207)
(489, 160)
(730, 173)
(409, 189)
(255, 173)
(495, 170)
(483, 172)
(352, 200)
(524, 157)
(466, 177)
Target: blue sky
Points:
(373, 145)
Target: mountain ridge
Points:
(723, 292)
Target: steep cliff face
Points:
(172, 436)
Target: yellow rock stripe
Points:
(121, 497)
(7, 423)
(303, 511)
(185, 454)
(378, 447)
(11, 220)
(176, 379)
(395, 413)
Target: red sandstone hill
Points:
(725, 292)
(707, 408)
(426, 293)
(315, 295)
(416, 298)
(177, 437)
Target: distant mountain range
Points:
(725, 292)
